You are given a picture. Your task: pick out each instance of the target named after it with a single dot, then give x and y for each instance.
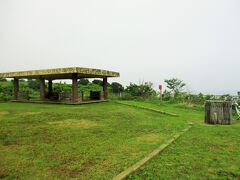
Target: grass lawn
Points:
(98, 141)
(205, 152)
(87, 142)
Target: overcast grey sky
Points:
(197, 41)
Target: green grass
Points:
(185, 113)
(89, 141)
(202, 153)
(205, 152)
(98, 141)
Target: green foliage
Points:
(133, 89)
(3, 80)
(195, 99)
(176, 94)
(62, 87)
(83, 81)
(226, 97)
(209, 97)
(90, 87)
(175, 85)
(117, 87)
(98, 82)
(6, 88)
(34, 84)
(144, 90)
(4, 97)
(116, 91)
(166, 96)
(127, 96)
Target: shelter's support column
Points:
(105, 91)
(42, 89)
(74, 87)
(16, 88)
(50, 89)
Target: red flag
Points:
(160, 87)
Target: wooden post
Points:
(105, 92)
(16, 88)
(218, 112)
(42, 89)
(74, 87)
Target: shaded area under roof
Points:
(61, 73)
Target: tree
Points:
(99, 82)
(143, 90)
(175, 85)
(96, 81)
(3, 80)
(226, 97)
(83, 81)
(117, 87)
(166, 96)
(34, 84)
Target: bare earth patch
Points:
(30, 113)
(150, 138)
(82, 170)
(4, 113)
(75, 123)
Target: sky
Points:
(197, 41)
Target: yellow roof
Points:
(61, 73)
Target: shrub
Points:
(144, 90)
(34, 84)
(127, 96)
(117, 87)
(83, 81)
(167, 96)
(4, 97)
